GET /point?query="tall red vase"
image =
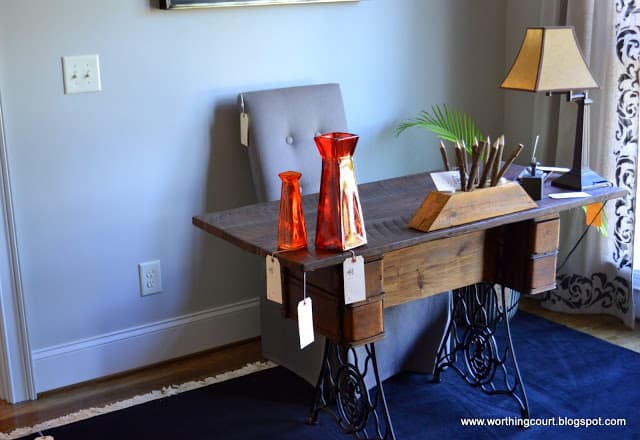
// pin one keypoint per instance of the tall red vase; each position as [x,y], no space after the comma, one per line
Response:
[292,231]
[339,225]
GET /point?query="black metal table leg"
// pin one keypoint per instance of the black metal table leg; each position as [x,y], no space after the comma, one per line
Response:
[341,392]
[474,353]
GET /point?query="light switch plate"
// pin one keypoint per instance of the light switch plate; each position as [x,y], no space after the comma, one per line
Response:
[81,74]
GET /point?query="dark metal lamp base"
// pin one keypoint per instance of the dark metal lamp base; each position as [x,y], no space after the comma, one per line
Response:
[581,180]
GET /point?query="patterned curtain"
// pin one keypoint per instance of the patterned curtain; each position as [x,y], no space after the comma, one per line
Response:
[597,278]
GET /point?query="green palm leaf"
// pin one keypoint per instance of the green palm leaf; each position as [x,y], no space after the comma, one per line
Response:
[447,124]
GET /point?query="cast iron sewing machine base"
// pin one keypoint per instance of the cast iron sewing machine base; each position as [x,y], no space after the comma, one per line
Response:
[341,392]
[475,354]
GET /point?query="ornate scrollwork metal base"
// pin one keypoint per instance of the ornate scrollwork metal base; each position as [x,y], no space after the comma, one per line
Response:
[475,355]
[342,392]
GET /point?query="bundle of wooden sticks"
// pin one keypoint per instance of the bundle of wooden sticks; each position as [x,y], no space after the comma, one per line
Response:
[485,156]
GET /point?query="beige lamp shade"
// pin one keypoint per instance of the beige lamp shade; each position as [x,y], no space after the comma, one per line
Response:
[549,61]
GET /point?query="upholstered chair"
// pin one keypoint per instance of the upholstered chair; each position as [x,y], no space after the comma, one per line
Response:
[282,125]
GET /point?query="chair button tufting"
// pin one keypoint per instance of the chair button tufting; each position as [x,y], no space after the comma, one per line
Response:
[289,140]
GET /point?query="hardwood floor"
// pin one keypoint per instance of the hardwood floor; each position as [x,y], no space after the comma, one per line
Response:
[101,392]
[601,326]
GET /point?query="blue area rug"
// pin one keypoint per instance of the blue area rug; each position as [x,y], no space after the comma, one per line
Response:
[568,375]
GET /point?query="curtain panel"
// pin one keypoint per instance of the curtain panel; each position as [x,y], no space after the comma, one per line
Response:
[597,278]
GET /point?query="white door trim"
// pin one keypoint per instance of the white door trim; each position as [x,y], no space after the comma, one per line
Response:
[16,371]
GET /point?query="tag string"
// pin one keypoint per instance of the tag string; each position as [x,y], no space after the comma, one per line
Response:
[304,285]
[274,253]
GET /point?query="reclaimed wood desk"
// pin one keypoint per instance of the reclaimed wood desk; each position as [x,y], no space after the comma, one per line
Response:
[517,250]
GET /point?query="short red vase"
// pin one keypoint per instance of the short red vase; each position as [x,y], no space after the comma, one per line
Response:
[339,225]
[292,231]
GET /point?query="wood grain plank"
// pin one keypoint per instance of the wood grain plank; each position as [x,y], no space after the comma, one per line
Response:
[436,266]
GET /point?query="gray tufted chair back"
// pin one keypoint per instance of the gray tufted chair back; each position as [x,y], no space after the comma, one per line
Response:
[282,125]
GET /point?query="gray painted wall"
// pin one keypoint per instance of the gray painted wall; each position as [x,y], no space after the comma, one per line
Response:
[104,181]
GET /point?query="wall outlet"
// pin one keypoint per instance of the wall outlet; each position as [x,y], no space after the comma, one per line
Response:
[81,74]
[150,277]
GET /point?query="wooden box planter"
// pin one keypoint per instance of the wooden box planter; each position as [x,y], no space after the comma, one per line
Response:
[441,210]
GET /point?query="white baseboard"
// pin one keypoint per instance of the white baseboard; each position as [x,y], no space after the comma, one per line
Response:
[99,356]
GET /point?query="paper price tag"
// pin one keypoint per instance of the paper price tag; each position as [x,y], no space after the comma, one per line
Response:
[244,129]
[305,322]
[448,181]
[354,284]
[274,284]
[569,195]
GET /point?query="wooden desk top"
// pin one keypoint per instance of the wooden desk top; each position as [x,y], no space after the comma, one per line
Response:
[387,206]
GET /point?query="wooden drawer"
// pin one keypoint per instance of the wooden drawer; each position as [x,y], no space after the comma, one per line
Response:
[528,252]
[545,236]
[353,324]
[540,273]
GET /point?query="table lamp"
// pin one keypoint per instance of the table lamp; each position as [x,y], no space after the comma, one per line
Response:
[550,61]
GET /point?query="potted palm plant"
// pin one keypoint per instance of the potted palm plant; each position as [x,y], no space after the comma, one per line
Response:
[447,124]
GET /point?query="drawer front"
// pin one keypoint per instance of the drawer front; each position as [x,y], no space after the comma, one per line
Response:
[545,236]
[541,273]
[363,322]
[528,255]
[352,324]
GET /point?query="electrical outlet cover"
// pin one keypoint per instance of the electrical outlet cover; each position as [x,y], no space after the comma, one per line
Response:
[150,277]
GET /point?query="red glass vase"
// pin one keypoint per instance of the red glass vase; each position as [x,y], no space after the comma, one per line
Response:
[339,225]
[292,231]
